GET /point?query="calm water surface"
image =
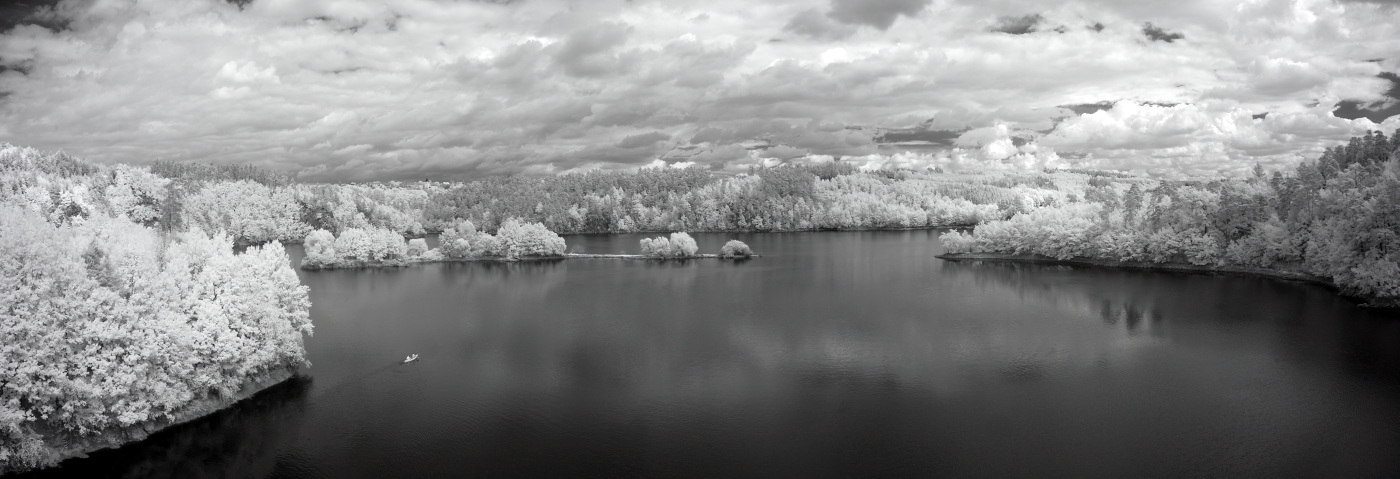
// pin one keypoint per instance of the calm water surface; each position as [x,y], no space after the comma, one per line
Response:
[837,355]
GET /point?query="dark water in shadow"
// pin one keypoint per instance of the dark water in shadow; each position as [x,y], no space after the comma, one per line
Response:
[836,355]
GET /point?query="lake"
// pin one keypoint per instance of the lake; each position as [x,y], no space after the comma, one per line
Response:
[837,354]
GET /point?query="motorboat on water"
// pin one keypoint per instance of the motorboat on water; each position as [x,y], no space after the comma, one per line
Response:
[410,358]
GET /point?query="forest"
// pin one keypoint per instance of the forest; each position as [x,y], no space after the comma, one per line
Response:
[1335,217]
[108,321]
[128,293]
[256,207]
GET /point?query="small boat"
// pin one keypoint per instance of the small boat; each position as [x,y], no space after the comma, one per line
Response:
[410,358]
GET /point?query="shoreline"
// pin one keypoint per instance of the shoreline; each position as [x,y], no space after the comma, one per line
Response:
[662,232]
[63,447]
[353,264]
[642,256]
[1174,267]
[807,230]
[1248,271]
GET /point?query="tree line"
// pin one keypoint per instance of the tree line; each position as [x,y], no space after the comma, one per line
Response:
[1337,217]
[256,208]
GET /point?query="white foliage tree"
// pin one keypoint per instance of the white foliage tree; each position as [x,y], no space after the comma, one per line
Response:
[416,247]
[105,324]
[679,245]
[320,248]
[251,212]
[518,240]
[355,244]
[735,249]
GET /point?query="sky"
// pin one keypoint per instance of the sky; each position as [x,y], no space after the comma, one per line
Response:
[359,90]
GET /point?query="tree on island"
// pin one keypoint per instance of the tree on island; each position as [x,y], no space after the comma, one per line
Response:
[679,245]
[519,240]
[735,249]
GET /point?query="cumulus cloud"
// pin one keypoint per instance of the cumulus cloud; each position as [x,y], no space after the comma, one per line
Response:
[1209,139]
[407,89]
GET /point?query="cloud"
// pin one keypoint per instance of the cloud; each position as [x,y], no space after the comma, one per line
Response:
[1209,139]
[643,140]
[812,23]
[586,52]
[1376,110]
[1086,108]
[400,89]
[13,14]
[1017,25]
[247,73]
[1158,34]
[875,13]
[921,134]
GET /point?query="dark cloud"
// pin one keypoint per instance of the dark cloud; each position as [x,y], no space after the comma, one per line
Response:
[1394,91]
[20,67]
[1158,34]
[623,113]
[1087,108]
[644,139]
[876,13]
[1375,111]
[812,23]
[605,154]
[904,135]
[1017,25]
[29,12]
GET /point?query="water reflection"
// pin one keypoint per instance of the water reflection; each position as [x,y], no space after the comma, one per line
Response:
[248,440]
[1298,321]
[835,355]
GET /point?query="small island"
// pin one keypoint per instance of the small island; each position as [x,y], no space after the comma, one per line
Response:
[462,242]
